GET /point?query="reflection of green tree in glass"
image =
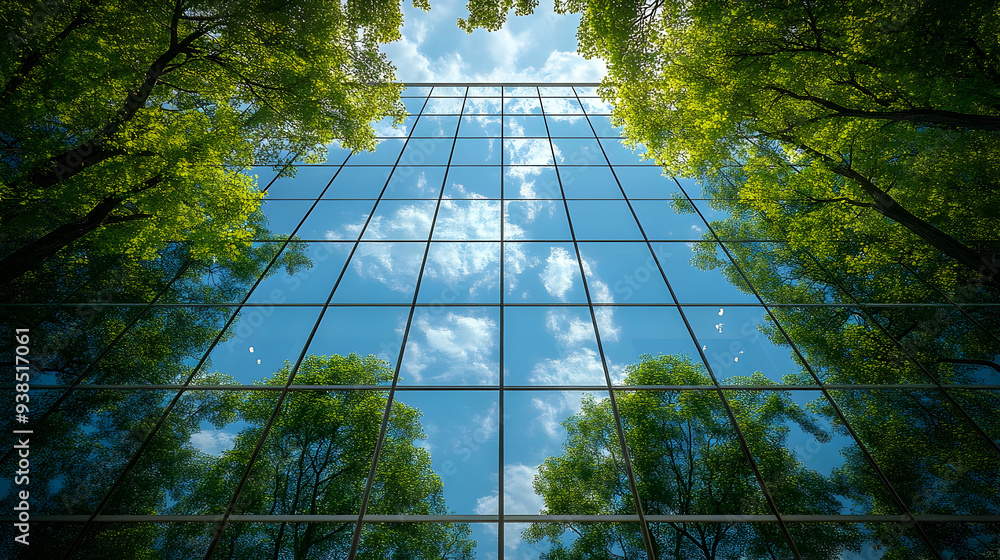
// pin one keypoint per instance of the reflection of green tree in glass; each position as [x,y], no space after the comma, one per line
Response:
[687,460]
[936,461]
[316,460]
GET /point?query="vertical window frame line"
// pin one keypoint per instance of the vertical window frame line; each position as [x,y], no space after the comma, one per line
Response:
[772,505]
[120,478]
[950,301]
[305,347]
[869,457]
[940,386]
[647,536]
[121,334]
[390,397]
[503,312]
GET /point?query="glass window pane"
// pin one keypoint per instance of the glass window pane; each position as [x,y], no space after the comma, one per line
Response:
[531,182]
[426,151]
[575,125]
[461,273]
[476,151]
[399,219]
[479,127]
[520,125]
[473,182]
[358,182]
[458,455]
[381,273]
[561,106]
[260,341]
[364,331]
[527,151]
[589,182]
[415,182]
[311,284]
[629,333]
[386,153]
[444,105]
[535,219]
[578,151]
[542,272]
[551,346]
[623,273]
[453,346]
[603,219]
[429,125]
[468,219]
[336,219]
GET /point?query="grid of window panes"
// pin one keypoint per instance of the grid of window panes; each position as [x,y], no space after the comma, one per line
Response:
[543,327]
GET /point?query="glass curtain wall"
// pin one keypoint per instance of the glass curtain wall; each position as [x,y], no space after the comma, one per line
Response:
[503,334]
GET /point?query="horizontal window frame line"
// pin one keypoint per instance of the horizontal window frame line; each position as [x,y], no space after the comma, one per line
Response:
[516,518]
[496,84]
[128,304]
[410,388]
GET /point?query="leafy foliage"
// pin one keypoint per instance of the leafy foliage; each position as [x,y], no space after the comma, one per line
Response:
[687,460]
[169,102]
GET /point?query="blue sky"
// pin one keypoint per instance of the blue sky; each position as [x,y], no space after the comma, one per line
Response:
[536,48]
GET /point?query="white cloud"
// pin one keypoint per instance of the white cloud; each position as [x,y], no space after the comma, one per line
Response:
[580,367]
[559,273]
[452,347]
[393,264]
[519,497]
[468,219]
[528,151]
[486,424]
[464,266]
[213,442]
[410,221]
[568,328]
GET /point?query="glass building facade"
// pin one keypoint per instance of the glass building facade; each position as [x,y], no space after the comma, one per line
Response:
[504,334]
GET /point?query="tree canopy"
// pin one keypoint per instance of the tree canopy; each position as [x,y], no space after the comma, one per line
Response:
[885,110]
[687,460]
[315,460]
[168,103]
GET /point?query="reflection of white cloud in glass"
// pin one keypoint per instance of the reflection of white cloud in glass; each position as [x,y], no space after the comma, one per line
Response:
[476,105]
[529,151]
[409,222]
[559,105]
[393,264]
[526,212]
[485,424]
[527,187]
[347,231]
[595,105]
[452,347]
[569,329]
[557,277]
[385,127]
[601,292]
[519,497]
[475,219]
[582,367]
[521,105]
[463,265]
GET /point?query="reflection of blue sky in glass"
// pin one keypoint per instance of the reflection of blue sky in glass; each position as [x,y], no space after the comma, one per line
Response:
[494,228]
[453,346]
[542,272]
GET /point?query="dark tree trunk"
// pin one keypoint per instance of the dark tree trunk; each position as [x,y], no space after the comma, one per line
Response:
[33,255]
[62,166]
[987,267]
